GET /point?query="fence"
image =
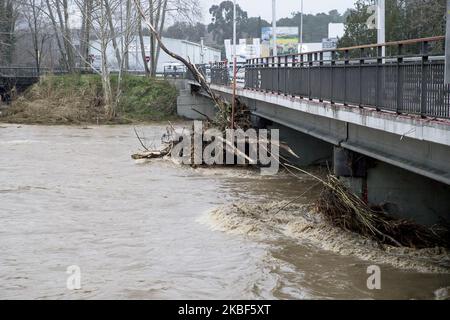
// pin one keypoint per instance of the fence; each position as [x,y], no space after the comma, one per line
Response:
[402,81]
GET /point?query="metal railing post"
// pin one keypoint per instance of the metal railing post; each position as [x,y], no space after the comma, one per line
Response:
[310,65]
[286,67]
[293,78]
[399,79]
[333,64]
[378,84]
[346,63]
[320,76]
[361,63]
[302,63]
[423,103]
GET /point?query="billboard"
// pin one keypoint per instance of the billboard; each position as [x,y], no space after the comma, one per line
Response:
[287,40]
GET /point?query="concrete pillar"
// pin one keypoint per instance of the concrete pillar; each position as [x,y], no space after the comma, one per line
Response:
[351,168]
[408,195]
[400,193]
[187,101]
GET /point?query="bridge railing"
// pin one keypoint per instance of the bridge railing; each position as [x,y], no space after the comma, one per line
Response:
[408,79]
[18,72]
[220,73]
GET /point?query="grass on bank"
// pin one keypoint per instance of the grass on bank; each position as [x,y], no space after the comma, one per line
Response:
[78,99]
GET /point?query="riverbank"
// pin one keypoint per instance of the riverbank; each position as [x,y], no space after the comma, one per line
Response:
[77,100]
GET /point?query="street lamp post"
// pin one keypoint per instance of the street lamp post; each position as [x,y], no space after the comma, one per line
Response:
[381,33]
[301,26]
[447,46]
[233,103]
[274,27]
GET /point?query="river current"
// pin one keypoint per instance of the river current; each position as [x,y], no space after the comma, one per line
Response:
[72,196]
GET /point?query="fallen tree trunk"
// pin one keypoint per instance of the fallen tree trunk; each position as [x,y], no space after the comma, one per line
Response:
[223,119]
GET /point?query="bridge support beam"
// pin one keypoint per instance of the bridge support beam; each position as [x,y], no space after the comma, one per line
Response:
[351,168]
[188,101]
[400,192]
[311,151]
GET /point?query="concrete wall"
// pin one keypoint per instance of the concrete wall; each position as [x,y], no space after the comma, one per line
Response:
[408,195]
[188,100]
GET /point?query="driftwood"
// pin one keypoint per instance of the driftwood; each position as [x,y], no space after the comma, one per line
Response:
[344,209]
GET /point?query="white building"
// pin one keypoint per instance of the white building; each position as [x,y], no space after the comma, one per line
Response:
[194,52]
[244,50]
[336,30]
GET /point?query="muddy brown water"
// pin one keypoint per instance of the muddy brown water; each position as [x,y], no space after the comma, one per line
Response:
[72,196]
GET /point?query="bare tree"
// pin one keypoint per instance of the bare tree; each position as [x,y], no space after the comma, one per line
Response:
[86,17]
[8,16]
[157,11]
[32,13]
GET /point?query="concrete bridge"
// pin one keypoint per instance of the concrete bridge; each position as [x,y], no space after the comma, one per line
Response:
[382,121]
[16,78]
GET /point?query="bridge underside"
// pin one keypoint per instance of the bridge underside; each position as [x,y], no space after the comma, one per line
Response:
[407,157]
[414,144]
[20,84]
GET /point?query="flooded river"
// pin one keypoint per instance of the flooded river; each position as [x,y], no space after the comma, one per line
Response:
[73,197]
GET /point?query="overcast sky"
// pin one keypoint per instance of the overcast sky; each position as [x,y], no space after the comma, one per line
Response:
[263,8]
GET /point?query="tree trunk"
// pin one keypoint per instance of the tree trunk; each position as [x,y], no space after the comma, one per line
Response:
[141,40]
[113,33]
[62,52]
[126,55]
[106,80]
[152,39]
[161,27]
[86,31]
[68,36]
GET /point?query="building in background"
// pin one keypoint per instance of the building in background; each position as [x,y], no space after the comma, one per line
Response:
[244,50]
[287,40]
[193,52]
[335,32]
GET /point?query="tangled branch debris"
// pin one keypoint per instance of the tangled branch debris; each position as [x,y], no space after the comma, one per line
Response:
[338,204]
[344,209]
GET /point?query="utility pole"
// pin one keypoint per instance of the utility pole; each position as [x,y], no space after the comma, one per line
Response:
[202,50]
[381,27]
[233,104]
[274,27]
[447,46]
[301,27]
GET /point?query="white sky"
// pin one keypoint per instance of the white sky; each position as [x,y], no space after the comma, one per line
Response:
[263,8]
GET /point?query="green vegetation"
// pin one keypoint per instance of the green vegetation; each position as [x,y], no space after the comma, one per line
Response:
[405,19]
[145,99]
[8,16]
[77,99]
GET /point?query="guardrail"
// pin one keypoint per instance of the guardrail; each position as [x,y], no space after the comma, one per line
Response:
[205,70]
[401,81]
[220,73]
[18,72]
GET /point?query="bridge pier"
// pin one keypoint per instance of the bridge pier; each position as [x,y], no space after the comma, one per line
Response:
[188,100]
[401,193]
